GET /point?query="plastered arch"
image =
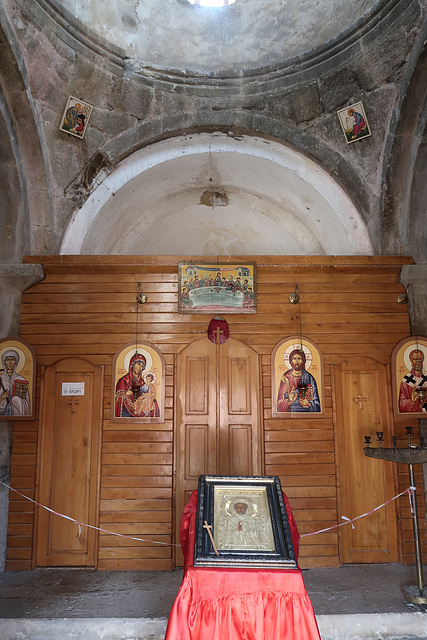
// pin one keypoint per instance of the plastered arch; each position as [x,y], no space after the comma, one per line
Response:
[209,194]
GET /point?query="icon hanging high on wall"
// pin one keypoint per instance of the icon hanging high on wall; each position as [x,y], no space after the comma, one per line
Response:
[75,118]
[216,287]
[354,122]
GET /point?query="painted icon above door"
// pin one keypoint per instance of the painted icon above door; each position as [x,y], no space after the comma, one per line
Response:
[204,288]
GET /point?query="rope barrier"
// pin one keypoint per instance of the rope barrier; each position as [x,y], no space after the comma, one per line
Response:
[410,490]
[83,524]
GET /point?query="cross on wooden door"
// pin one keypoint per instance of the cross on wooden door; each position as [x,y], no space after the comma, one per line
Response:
[73,401]
[360,399]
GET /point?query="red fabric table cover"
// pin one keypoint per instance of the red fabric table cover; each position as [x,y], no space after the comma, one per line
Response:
[239,604]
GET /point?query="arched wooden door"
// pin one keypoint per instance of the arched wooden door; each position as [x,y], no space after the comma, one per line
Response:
[363,408]
[67,475]
[218,425]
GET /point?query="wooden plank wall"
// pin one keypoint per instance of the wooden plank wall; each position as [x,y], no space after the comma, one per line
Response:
[86,307]
[21,511]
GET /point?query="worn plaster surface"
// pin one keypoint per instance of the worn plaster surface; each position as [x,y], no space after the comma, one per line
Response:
[275,201]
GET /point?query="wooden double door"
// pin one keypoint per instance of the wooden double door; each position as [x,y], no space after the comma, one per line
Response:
[218,423]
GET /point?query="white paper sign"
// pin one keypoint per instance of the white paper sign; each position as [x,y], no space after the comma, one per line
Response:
[73,388]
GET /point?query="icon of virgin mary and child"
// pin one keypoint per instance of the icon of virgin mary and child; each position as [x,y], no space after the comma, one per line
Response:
[136,393]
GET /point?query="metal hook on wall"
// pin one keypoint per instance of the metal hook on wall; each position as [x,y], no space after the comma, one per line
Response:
[141,298]
[404,298]
[294,298]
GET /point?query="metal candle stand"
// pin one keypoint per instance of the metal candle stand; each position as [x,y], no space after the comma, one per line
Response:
[410,455]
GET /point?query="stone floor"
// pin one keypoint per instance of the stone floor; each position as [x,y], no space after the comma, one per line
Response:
[357,601]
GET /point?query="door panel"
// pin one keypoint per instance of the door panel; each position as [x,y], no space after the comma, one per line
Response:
[238,410]
[196,450]
[239,385]
[240,447]
[217,415]
[68,465]
[197,395]
[362,408]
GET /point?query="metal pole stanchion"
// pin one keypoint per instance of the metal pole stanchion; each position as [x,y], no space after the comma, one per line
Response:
[414,593]
[411,454]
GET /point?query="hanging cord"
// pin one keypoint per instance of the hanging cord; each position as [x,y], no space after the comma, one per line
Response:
[410,292]
[138,293]
[299,313]
[141,298]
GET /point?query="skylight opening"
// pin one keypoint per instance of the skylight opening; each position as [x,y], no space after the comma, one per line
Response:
[212,3]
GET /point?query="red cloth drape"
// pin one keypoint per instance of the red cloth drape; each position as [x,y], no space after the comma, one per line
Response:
[239,604]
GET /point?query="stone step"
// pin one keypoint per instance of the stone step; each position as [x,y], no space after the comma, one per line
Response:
[384,626]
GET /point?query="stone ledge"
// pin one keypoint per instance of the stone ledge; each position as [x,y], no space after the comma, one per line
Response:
[378,626]
[83,628]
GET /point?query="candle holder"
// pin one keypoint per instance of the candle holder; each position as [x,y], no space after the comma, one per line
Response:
[410,455]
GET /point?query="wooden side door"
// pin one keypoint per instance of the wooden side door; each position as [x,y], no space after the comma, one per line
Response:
[217,416]
[362,408]
[68,464]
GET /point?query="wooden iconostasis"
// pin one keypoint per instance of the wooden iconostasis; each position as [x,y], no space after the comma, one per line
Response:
[134,478]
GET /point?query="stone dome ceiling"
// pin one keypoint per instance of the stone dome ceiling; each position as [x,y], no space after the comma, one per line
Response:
[248,34]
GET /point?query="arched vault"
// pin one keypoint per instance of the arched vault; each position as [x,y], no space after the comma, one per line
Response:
[215,194]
